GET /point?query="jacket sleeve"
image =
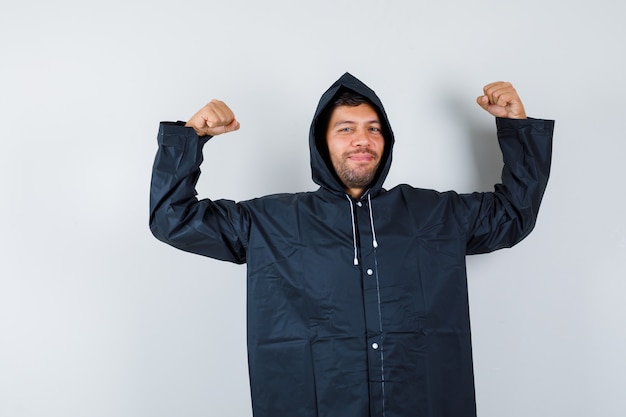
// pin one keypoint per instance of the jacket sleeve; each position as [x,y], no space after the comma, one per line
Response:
[217,229]
[502,218]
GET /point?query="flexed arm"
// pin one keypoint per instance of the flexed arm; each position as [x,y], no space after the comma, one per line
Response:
[508,214]
[218,228]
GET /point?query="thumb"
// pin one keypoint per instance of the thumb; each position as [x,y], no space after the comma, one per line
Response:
[483,101]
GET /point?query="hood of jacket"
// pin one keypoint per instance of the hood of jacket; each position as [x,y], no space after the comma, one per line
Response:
[322,169]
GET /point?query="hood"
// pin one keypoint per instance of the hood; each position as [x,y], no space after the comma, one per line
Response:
[322,170]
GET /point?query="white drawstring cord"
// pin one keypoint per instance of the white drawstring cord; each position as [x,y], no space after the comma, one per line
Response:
[369,203]
[356,256]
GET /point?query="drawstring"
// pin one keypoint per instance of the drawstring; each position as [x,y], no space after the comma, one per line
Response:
[356,257]
[369,203]
[374,241]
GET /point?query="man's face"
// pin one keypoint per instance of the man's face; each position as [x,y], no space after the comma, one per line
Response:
[355,144]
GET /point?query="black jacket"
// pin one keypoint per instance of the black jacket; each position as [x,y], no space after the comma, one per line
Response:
[385,334]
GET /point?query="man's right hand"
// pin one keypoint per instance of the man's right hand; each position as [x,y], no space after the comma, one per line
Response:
[213,119]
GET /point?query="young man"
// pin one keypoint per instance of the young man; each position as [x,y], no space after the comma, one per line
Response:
[357,295]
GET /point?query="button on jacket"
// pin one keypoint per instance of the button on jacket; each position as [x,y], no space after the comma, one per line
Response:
[355,307]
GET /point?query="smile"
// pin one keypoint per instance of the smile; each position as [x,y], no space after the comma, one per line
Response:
[361,157]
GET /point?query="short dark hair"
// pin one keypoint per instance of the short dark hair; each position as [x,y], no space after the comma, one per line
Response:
[348,98]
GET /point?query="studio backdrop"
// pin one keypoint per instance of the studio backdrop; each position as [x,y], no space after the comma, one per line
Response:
[99,319]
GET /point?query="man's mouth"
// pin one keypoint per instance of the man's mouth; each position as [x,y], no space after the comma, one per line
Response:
[361,156]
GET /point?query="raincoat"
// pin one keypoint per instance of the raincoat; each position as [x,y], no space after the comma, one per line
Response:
[354,307]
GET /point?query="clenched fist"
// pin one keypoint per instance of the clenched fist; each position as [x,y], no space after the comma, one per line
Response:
[213,119]
[501,100]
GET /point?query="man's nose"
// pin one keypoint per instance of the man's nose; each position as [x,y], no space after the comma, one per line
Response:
[360,137]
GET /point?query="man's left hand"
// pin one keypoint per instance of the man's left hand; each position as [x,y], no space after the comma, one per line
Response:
[501,100]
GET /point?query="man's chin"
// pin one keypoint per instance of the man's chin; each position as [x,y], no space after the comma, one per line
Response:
[358,181]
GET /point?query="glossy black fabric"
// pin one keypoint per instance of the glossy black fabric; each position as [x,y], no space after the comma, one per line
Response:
[387,337]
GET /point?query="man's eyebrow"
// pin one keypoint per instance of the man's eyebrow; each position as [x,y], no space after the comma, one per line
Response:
[345,122]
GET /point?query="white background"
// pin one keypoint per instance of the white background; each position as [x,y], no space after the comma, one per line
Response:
[98,318]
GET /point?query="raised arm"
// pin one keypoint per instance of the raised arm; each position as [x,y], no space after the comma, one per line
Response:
[217,229]
[508,214]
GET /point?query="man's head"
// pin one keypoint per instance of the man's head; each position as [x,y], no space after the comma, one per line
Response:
[355,141]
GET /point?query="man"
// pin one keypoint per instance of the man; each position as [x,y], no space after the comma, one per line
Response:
[357,295]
